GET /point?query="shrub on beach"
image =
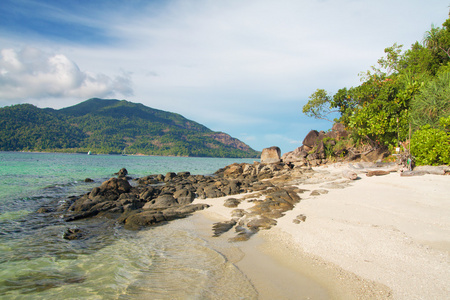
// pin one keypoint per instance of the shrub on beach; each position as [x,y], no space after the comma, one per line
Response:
[431,146]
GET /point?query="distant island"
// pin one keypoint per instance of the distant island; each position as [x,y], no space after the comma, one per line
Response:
[110,126]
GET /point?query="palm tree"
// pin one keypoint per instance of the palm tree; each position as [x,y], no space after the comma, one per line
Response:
[433,39]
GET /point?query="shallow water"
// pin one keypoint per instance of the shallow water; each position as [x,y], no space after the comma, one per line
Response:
[163,262]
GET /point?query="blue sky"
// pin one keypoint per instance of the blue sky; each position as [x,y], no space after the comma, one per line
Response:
[244,67]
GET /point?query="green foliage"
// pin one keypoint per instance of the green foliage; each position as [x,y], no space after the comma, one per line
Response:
[432,102]
[328,147]
[413,86]
[431,146]
[26,127]
[319,105]
[445,123]
[381,114]
[111,127]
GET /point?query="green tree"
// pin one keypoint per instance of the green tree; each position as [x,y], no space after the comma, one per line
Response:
[432,102]
[319,105]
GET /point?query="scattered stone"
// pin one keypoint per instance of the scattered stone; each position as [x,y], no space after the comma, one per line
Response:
[231,202]
[377,173]
[349,175]
[88,180]
[221,227]
[413,173]
[335,185]
[319,192]
[243,234]
[238,213]
[299,219]
[73,234]
[44,210]
[435,170]
[261,223]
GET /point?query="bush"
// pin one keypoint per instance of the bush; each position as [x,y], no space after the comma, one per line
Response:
[432,102]
[431,146]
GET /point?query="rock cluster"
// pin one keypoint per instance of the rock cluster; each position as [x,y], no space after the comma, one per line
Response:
[272,195]
[271,155]
[160,198]
[317,147]
[314,146]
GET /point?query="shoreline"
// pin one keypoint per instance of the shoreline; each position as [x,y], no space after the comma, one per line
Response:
[383,237]
[120,154]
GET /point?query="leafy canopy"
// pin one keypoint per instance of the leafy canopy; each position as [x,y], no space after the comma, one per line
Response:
[404,87]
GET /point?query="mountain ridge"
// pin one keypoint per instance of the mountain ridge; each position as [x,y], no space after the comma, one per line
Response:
[111,126]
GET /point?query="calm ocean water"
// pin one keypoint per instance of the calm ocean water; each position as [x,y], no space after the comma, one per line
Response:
[165,262]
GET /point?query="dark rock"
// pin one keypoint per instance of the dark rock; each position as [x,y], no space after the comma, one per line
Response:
[73,234]
[152,217]
[148,194]
[122,173]
[233,187]
[183,174]
[211,191]
[162,201]
[311,138]
[184,196]
[221,227]
[233,170]
[116,185]
[169,176]
[44,210]
[88,180]
[231,202]
[261,223]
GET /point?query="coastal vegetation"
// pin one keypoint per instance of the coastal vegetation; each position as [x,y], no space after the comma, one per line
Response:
[403,99]
[112,127]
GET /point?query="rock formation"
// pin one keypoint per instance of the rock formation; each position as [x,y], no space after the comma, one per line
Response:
[271,155]
[318,147]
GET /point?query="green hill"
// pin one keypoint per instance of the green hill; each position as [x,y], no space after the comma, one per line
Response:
[112,126]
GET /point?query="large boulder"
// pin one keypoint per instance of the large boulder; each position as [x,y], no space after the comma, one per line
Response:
[162,201]
[311,138]
[271,155]
[298,155]
[337,131]
[184,196]
[143,218]
[115,185]
[122,173]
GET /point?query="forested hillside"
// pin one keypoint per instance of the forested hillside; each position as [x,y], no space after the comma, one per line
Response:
[406,93]
[115,127]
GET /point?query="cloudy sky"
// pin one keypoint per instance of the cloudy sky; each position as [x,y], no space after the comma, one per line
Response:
[244,67]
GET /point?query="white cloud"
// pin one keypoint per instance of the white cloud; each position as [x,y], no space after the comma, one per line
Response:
[235,66]
[32,73]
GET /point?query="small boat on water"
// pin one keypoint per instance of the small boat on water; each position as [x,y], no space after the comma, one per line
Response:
[89,153]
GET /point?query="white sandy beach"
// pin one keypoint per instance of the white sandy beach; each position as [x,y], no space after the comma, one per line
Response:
[381,237]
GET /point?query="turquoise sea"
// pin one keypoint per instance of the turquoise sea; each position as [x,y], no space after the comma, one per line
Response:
[164,262]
